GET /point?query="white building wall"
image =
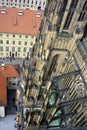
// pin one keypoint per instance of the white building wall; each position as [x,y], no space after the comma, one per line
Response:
[23,4]
[13,83]
[2,111]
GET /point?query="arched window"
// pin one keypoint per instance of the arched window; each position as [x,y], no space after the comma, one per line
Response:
[32,2]
[52,98]
[40,3]
[36,3]
[43,3]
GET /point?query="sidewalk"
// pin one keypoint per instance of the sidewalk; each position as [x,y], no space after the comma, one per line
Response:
[8,123]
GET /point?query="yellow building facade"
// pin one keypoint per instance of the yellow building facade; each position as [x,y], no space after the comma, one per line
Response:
[16,45]
[18,33]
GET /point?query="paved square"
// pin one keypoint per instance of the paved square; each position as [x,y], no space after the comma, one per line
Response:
[8,123]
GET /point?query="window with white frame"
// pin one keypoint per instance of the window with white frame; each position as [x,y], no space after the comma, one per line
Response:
[19,43]
[13,42]
[25,43]
[7,48]
[25,49]
[7,41]
[1,48]
[1,41]
[19,49]
[1,35]
[13,48]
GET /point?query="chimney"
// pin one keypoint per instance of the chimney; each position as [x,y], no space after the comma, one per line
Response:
[2,65]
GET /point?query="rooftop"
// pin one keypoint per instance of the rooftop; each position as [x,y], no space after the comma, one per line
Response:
[16,21]
[5,71]
[3,100]
[8,71]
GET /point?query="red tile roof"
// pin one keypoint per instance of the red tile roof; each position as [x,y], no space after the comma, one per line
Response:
[28,23]
[9,71]
[3,92]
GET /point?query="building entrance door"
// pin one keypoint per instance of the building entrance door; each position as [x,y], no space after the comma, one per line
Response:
[12,55]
